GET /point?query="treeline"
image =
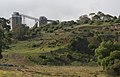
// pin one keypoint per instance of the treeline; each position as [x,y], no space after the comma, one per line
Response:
[98,19]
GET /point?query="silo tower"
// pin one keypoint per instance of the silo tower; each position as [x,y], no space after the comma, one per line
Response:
[15,20]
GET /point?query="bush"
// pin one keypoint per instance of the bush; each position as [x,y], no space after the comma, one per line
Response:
[81,45]
[114,70]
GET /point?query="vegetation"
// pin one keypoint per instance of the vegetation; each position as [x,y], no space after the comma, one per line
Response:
[91,41]
[108,56]
[4,35]
[20,31]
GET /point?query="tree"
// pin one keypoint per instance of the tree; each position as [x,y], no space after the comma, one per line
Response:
[84,19]
[103,50]
[117,20]
[100,14]
[107,53]
[2,42]
[4,29]
[80,44]
[92,14]
[4,24]
[108,18]
[96,18]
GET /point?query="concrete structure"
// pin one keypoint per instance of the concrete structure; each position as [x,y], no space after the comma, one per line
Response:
[18,19]
[15,20]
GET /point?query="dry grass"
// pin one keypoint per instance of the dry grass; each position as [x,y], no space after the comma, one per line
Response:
[52,71]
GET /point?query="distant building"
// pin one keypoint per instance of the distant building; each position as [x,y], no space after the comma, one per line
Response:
[15,20]
[42,20]
[18,19]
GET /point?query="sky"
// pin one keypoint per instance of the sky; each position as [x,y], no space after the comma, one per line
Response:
[58,9]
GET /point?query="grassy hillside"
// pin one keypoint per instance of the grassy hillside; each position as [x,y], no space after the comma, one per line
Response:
[87,47]
[56,44]
[65,52]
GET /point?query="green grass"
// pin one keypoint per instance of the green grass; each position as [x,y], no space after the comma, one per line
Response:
[19,52]
[24,47]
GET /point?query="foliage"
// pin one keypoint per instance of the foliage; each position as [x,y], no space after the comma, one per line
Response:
[20,31]
[4,32]
[61,57]
[2,40]
[4,24]
[81,45]
[98,18]
[107,53]
[114,70]
[117,20]
[84,19]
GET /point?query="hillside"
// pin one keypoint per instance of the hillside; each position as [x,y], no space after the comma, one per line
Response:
[50,49]
[83,48]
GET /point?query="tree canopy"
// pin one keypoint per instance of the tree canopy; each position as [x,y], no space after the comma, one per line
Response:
[4,29]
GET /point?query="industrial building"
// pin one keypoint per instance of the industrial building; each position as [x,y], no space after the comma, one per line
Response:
[18,19]
[15,20]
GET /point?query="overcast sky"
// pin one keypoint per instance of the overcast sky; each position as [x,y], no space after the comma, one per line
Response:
[58,9]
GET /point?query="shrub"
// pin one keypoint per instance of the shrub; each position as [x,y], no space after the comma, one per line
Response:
[81,45]
[114,70]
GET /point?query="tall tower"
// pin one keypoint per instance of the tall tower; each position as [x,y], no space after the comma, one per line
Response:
[15,20]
